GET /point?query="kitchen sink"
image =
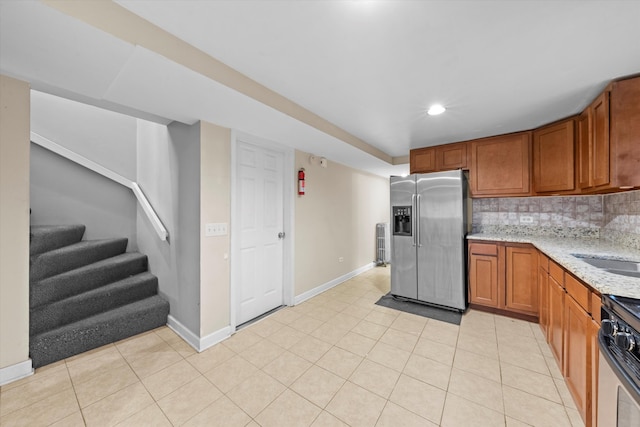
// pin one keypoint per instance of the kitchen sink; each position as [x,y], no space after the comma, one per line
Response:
[615,266]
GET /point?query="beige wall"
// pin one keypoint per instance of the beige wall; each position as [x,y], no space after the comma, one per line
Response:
[14,221]
[336,218]
[215,202]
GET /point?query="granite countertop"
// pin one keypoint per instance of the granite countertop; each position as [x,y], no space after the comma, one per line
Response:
[560,249]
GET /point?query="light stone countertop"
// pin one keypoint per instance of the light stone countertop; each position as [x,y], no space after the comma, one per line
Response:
[560,250]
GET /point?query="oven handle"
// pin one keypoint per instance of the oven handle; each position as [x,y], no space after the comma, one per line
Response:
[617,368]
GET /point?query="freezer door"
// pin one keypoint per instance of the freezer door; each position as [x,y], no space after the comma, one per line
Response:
[441,268]
[403,247]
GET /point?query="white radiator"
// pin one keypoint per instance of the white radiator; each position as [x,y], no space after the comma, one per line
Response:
[383,244]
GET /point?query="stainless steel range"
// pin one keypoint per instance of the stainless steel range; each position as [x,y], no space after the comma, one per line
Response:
[619,365]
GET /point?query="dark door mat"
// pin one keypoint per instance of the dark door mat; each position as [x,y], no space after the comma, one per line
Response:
[423,310]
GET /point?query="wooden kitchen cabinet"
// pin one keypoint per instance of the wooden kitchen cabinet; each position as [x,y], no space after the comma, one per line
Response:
[422,160]
[624,136]
[553,158]
[577,325]
[451,156]
[438,158]
[593,143]
[608,138]
[501,165]
[573,325]
[543,292]
[584,151]
[594,355]
[599,111]
[556,318]
[521,292]
[483,274]
[503,278]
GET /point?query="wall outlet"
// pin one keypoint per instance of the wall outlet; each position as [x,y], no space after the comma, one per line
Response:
[215,229]
[341,259]
[526,220]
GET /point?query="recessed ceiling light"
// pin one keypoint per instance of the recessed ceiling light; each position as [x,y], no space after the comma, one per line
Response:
[436,109]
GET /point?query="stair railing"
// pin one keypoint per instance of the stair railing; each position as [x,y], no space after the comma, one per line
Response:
[162,232]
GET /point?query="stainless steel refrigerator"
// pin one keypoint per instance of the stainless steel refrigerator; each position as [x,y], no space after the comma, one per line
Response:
[428,214]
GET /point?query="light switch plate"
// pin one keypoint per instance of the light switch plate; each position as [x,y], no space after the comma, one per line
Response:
[215,229]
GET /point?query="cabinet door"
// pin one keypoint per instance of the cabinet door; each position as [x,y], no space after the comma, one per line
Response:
[583,151]
[594,351]
[624,136]
[521,293]
[553,161]
[599,111]
[577,324]
[556,308]
[543,300]
[483,280]
[501,165]
[422,160]
[451,156]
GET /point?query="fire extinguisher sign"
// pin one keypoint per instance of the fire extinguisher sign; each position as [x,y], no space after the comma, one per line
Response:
[301,182]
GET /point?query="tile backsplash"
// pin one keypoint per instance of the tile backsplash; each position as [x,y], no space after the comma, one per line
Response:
[622,218]
[613,217]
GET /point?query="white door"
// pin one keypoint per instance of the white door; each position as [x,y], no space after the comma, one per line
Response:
[260,209]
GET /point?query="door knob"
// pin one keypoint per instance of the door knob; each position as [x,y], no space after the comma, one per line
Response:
[281,235]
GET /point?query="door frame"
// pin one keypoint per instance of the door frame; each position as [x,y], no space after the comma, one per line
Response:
[238,137]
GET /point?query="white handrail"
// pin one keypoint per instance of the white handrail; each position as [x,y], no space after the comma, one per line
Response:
[162,232]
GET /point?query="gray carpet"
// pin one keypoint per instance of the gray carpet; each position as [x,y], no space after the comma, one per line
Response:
[419,309]
[86,293]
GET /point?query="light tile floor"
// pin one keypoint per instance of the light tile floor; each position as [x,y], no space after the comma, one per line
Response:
[335,360]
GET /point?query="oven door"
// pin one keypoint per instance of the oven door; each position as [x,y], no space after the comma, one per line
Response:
[618,397]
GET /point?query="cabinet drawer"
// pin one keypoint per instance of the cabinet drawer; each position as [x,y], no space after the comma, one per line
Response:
[578,291]
[556,272]
[483,249]
[543,261]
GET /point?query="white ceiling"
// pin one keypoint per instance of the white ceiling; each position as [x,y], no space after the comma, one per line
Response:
[369,67]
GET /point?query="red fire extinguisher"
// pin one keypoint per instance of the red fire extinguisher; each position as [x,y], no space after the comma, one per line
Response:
[301,182]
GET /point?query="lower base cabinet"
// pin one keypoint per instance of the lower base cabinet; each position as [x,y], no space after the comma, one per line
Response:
[555,336]
[577,324]
[503,278]
[572,324]
[594,355]
[517,280]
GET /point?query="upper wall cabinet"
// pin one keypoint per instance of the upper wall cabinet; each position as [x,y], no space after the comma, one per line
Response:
[501,165]
[608,138]
[451,156]
[593,144]
[584,151]
[440,158]
[553,161]
[422,160]
[624,104]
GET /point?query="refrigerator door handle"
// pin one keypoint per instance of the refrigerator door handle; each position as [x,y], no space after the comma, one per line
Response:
[418,237]
[413,219]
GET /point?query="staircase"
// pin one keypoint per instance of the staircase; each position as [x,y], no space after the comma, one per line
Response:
[85,294]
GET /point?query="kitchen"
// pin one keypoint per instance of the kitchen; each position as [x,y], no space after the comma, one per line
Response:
[499,210]
[553,260]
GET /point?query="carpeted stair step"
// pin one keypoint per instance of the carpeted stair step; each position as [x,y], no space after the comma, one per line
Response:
[73,256]
[86,278]
[96,331]
[45,238]
[96,301]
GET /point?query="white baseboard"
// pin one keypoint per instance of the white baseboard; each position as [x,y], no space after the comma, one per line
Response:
[200,344]
[330,284]
[16,372]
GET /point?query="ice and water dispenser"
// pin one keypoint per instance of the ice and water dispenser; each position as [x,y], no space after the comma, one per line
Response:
[402,220]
